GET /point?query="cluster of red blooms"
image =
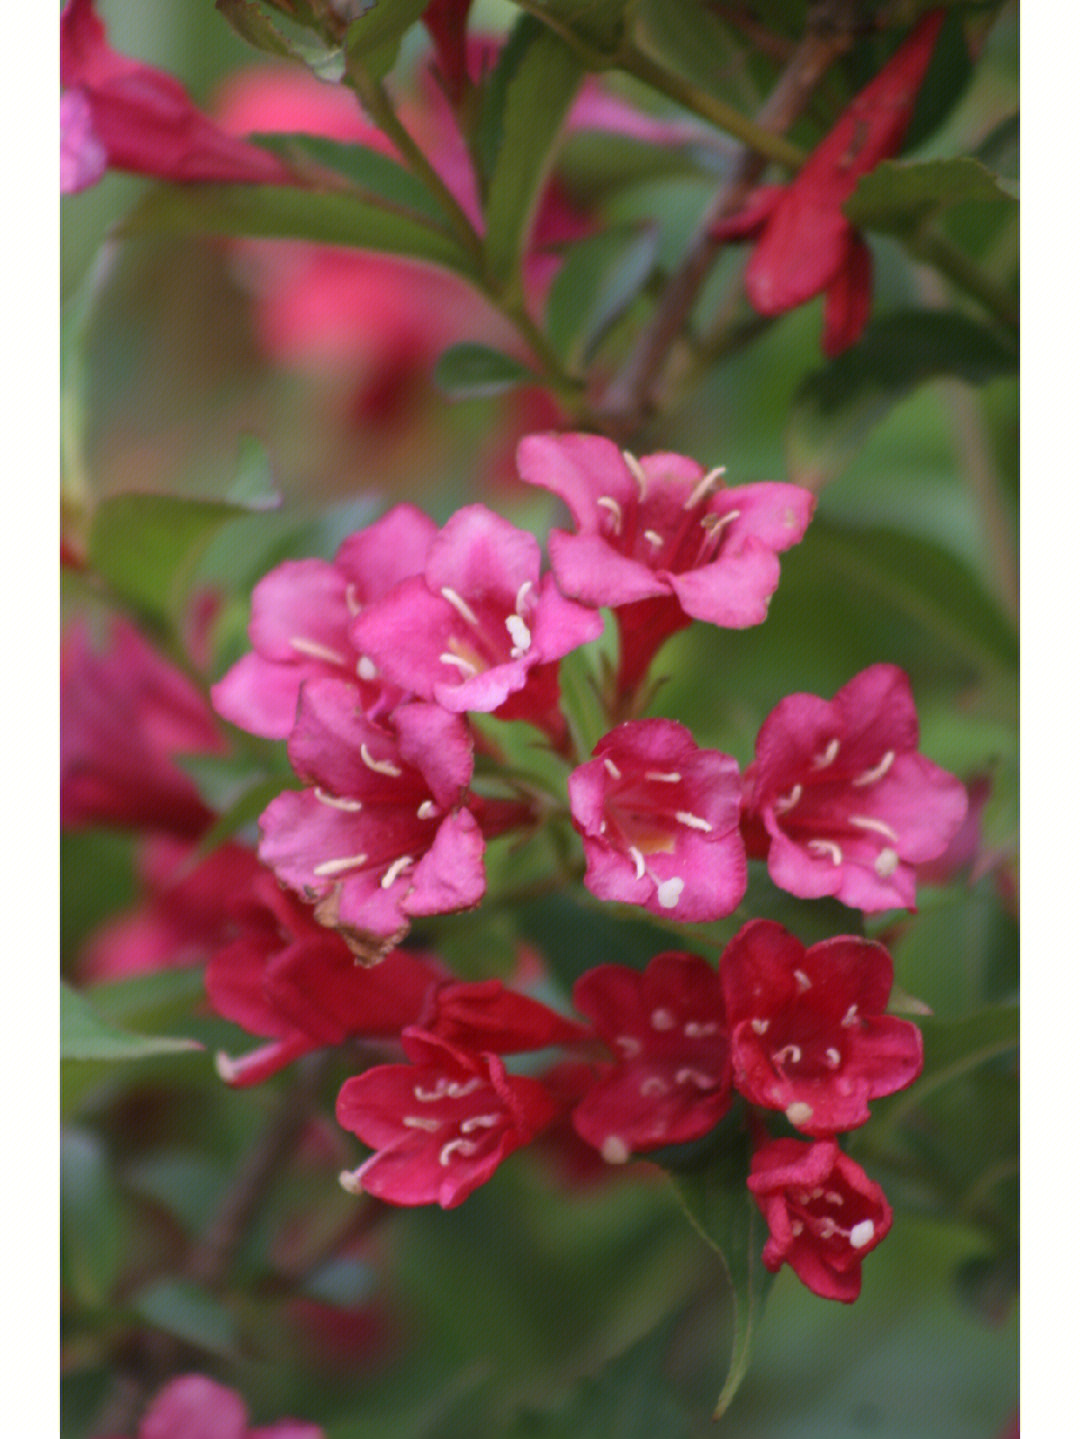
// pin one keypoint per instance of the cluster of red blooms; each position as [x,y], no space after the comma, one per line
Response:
[369,665]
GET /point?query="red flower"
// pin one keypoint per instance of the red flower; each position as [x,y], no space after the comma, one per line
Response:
[440,1126]
[485,1016]
[808,1030]
[672,1080]
[807,245]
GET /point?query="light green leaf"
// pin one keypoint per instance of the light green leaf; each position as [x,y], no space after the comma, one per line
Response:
[836,407]
[189,1313]
[469,371]
[598,282]
[89,1202]
[899,196]
[381,179]
[85,1035]
[375,36]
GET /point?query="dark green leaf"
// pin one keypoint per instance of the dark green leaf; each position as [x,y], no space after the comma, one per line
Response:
[148,1001]
[597,283]
[253,24]
[471,371]
[188,1313]
[90,1219]
[381,179]
[382,23]
[574,936]
[84,1035]
[687,37]
[899,196]
[835,409]
[597,24]
[537,98]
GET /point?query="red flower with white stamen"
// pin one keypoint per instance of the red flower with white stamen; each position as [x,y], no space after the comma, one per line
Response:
[809,1034]
[382,834]
[824,1213]
[847,806]
[661,540]
[659,819]
[301,613]
[440,1126]
[672,1079]
[468,632]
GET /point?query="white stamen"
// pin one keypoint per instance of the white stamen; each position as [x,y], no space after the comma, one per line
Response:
[614,771]
[414,1121]
[851,1017]
[467,668]
[227,1067]
[826,846]
[366,668]
[519,598]
[662,1019]
[445,1088]
[479,1121]
[871,776]
[351,600]
[696,1078]
[653,538]
[713,522]
[634,465]
[831,750]
[663,776]
[831,1197]
[797,1227]
[832,1058]
[339,866]
[520,635]
[652,1085]
[861,1234]
[668,893]
[459,1088]
[639,861]
[693,821]
[351,806]
[349,1179]
[798,1113]
[790,1054]
[614,1150]
[395,869]
[464,610]
[759,1026]
[316,650]
[876,826]
[704,486]
[886,862]
[456,1146]
[428,810]
[694,1029]
[379,766]
[614,509]
[802,979]
[788,801]
[628,1044]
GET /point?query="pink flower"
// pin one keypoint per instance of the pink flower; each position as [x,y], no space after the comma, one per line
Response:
[848,806]
[672,1079]
[809,1034]
[660,540]
[382,833]
[824,1214]
[301,613]
[469,631]
[440,1126]
[807,245]
[194,1407]
[298,984]
[118,113]
[125,714]
[660,821]
[484,1016]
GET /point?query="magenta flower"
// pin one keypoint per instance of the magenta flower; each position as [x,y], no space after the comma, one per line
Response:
[848,806]
[807,245]
[672,1079]
[194,1407]
[809,1034]
[469,631]
[297,984]
[440,1126]
[824,1213]
[301,613]
[661,541]
[484,1016]
[118,113]
[659,818]
[125,714]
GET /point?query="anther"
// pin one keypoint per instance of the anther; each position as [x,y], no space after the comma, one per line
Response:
[519,598]
[704,486]
[663,776]
[759,1026]
[695,1029]
[379,766]
[614,771]
[832,1058]
[339,866]
[457,1146]
[479,1121]
[669,891]
[464,610]
[657,541]
[414,1121]
[316,650]
[696,1078]
[466,667]
[790,1054]
[614,1150]
[831,750]
[798,1113]
[788,801]
[693,821]
[639,861]
[875,826]
[662,1019]
[886,862]
[351,806]
[653,1085]
[634,465]
[614,509]
[802,979]
[861,1234]
[827,846]
[851,1017]
[628,1044]
[366,668]
[871,776]
[428,810]
[519,635]
[395,870]
[712,522]
[831,1197]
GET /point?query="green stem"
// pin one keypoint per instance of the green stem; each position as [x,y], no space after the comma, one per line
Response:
[963,272]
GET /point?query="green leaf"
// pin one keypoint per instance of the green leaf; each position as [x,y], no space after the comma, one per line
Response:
[91,1233]
[715,1196]
[687,38]
[188,1313]
[245,809]
[598,24]
[381,179]
[290,212]
[85,1035]
[598,282]
[899,196]
[148,1002]
[470,371]
[147,547]
[537,98]
[836,407]
[253,24]
[573,936]
[383,23]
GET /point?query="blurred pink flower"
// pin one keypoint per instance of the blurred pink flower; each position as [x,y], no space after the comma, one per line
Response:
[194,1407]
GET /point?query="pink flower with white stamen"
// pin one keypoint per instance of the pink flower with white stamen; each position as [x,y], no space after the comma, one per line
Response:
[847,804]
[661,540]
[468,632]
[809,1034]
[382,833]
[301,613]
[659,818]
[671,1081]
[824,1214]
[440,1126]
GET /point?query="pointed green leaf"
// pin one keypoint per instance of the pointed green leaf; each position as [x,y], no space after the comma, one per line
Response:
[469,371]
[85,1035]
[189,1313]
[148,1002]
[597,24]
[382,23]
[89,1201]
[598,282]
[898,196]
[253,24]
[836,408]
[381,179]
